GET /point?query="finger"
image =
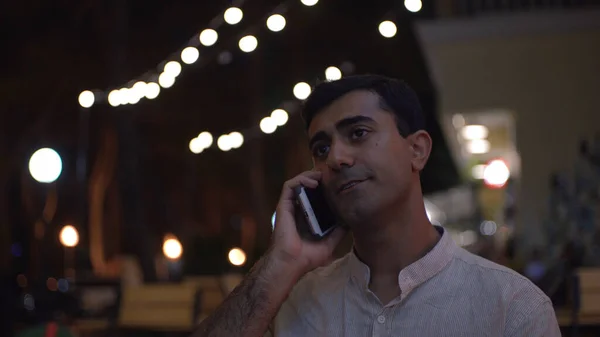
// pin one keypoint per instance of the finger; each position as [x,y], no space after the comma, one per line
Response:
[308,179]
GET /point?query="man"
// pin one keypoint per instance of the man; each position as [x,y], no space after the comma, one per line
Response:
[404,277]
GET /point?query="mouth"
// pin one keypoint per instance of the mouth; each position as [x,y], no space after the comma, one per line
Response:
[349,185]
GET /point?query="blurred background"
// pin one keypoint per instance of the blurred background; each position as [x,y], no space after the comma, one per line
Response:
[144,144]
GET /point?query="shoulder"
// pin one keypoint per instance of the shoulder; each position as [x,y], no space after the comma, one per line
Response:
[517,293]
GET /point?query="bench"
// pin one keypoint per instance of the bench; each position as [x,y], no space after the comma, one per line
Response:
[585,309]
[212,291]
[163,307]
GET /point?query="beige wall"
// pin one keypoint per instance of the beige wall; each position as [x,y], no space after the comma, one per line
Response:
[544,67]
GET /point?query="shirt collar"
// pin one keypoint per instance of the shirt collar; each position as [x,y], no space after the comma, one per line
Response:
[416,273]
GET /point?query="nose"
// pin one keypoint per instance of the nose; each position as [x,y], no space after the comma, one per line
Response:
[339,156]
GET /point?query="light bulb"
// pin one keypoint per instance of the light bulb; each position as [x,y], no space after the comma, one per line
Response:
[388,29]
[86,99]
[276,22]
[309,2]
[279,117]
[233,15]
[208,37]
[333,73]
[189,55]
[302,90]
[248,43]
[173,68]
[268,125]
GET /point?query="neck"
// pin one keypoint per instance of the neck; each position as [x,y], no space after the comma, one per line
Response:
[403,235]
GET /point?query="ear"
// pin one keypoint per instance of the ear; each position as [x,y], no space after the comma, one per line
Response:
[420,142]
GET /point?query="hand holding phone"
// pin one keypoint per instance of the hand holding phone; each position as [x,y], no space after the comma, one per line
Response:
[316,213]
[288,245]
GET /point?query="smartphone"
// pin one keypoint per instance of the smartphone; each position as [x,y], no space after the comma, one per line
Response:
[318,214]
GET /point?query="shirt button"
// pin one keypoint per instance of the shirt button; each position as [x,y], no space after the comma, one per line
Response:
[381,319]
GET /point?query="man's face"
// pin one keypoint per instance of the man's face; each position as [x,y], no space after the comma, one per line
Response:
[366,164]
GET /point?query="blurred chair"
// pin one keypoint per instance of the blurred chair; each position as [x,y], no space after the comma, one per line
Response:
[210,294]
[158,307]
[212,291]
[585,301]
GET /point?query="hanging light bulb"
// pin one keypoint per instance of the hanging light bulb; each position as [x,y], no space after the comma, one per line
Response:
[248,43]
[309,2]
[233,15]
[166,80]
[279,117]
[189,55]
[86,99]
[114,98]
[208,37]
[388,29]
[302,90]
[333,73]
[152,90]
[276,22]
[173,68]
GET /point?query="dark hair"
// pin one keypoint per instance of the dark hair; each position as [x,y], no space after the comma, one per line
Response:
[395,96]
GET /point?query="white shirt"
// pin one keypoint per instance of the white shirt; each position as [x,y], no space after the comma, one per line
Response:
[448,292]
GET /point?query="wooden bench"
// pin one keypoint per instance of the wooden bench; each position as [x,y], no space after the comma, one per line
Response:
[163,307]
[212,291]
[173,307]
[586,300]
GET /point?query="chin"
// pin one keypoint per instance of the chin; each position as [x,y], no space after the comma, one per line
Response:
[356,213]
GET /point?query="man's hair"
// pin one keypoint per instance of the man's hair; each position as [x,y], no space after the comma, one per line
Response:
[395,96]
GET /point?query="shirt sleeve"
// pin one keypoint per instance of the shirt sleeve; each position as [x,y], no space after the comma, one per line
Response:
[539,322]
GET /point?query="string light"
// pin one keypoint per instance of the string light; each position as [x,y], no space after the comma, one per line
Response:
[224,143]
[413,5]
[309,2]
[172,68]
[152,90]
[302,90]
[202,142]
[279,117]
[276,23]
[86,99]
[236,139]
[333,73]
[139,89]
[267,125]
[166,80]
[196,146]
[206,139]
[114,98]
[233,15]
[208,37]
[189,55]
[248,43]
[388,29]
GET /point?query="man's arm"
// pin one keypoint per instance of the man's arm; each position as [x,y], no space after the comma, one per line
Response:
[251,307]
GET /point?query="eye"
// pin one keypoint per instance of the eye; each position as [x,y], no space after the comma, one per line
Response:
[356,134]
[320,150]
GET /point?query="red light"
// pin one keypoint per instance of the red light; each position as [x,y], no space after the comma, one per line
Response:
[496,173]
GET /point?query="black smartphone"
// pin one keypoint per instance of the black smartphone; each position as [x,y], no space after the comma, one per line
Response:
[318,214]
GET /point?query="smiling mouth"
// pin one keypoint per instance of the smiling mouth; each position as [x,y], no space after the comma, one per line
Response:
[349,185]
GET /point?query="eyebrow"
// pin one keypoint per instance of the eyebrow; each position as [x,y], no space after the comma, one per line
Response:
[341,124]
